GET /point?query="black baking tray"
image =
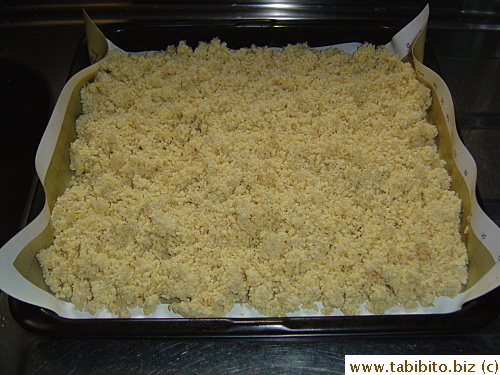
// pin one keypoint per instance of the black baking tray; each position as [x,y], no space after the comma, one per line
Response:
[142,36]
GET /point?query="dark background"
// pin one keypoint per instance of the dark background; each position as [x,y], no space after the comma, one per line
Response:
[38,45]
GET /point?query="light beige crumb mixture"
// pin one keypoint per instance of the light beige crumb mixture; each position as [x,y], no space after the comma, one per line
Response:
[271,178]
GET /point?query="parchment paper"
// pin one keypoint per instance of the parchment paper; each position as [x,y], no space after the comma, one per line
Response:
[20,273]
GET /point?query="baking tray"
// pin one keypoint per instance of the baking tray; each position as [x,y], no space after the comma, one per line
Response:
[137,36]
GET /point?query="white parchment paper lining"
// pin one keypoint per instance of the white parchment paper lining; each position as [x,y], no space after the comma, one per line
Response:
[14,277]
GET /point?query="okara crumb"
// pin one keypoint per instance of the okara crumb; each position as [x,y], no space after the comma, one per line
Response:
[270,178]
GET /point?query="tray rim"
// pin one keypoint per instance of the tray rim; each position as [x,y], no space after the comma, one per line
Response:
[48,323]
